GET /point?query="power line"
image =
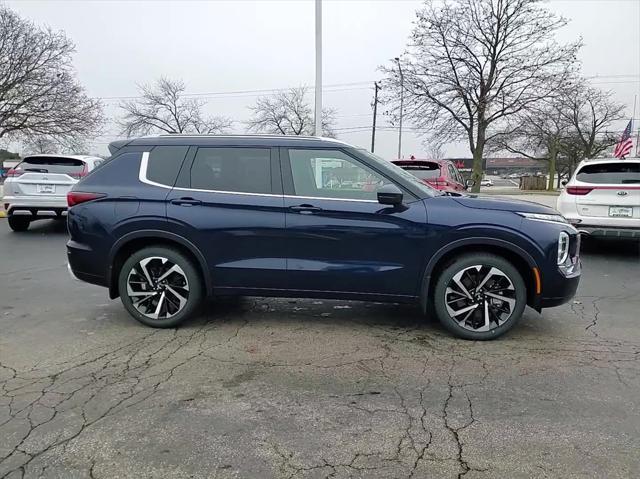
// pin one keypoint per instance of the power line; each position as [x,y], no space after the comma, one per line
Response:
[264,91]
[363,85]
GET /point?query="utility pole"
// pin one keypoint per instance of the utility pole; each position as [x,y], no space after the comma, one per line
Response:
[375,114]
[318,112]
[401,108]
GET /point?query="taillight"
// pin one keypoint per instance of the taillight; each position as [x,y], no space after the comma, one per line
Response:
[77,197]
[13,173]
[80,174]
[579,190]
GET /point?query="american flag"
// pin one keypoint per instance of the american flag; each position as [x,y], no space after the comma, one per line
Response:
[623,148]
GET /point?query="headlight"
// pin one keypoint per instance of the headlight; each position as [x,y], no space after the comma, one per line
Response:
[563,247]
[544,217]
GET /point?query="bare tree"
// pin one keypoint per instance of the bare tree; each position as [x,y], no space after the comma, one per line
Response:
[39,94]
[591,113]
[472,64]
[40,144]
[541,132]
[164,107]
[435,151]
[564,129]
[288,113]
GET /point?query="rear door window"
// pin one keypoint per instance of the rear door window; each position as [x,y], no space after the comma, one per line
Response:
[164,164]
[241,170]
[619,173]
[51,164]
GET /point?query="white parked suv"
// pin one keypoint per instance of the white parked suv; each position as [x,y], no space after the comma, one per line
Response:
[37,187]
[602,198]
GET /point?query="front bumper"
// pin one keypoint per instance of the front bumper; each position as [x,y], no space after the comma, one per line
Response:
[563,292]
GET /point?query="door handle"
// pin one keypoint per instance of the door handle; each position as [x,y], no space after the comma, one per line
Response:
[305,209]
[186,202]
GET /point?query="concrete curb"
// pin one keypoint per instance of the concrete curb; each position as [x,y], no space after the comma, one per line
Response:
[3,214]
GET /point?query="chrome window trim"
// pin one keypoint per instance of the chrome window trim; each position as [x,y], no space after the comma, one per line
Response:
[227,192]
[330,199]
[142,176]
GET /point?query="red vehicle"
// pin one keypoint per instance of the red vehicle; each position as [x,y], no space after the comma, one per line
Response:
[440,174]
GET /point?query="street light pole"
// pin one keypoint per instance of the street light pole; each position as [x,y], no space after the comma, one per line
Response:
[375,114]
[318,112]
[401,107]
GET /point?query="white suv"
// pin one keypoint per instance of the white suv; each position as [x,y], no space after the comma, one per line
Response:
[602,198]
[37,187]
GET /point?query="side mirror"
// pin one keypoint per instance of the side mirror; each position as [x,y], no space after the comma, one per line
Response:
[469,184]
[564,182]
[390,195]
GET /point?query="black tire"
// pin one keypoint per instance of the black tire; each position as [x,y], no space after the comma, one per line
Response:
[188,276]
[19,223]
[496,328]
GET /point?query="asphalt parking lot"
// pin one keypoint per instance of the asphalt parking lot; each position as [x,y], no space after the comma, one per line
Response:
[308,389]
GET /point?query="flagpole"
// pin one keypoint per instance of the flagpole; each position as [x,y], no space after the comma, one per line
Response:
[633,121]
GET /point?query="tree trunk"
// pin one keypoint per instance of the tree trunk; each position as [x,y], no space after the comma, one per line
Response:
[476,174]
[553,155]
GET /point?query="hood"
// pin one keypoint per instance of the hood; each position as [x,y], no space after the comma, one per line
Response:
[502,204]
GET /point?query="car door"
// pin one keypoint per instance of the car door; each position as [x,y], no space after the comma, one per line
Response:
[339,238]
[228,201]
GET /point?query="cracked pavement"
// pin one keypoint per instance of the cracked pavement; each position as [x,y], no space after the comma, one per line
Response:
[311,389]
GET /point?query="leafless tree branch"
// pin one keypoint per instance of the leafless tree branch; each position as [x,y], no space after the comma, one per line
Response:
[39,93]
[163,107]
[288,113]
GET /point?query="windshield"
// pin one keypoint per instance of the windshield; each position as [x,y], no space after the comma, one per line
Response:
[613,173]
[423,172]
[395,169]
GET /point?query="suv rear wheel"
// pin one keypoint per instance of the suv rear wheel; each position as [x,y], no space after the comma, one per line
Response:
[480,296]
[19,223]
[160,287]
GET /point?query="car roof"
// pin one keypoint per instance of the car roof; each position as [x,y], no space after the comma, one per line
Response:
[75,157]
[229,140]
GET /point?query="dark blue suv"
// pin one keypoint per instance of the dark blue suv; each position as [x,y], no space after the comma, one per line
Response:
[168,220]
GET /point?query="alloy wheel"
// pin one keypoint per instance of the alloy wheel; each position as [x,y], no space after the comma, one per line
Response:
[157,287]
[480,298]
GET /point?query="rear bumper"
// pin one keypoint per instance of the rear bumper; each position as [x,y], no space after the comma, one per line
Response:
[81,263]
[609,231]
[35,205]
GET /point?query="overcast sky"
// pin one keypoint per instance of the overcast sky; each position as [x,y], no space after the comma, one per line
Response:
[232,46]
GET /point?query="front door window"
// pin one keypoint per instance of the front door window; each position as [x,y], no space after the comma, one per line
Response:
[332,174]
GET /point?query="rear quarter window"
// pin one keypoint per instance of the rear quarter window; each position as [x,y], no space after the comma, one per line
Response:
[620,173]
[164,164]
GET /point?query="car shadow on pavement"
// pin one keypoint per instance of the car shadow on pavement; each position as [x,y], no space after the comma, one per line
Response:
[53,226]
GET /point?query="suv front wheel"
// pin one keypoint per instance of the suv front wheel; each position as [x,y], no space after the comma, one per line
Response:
[479,296]
[160,287]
